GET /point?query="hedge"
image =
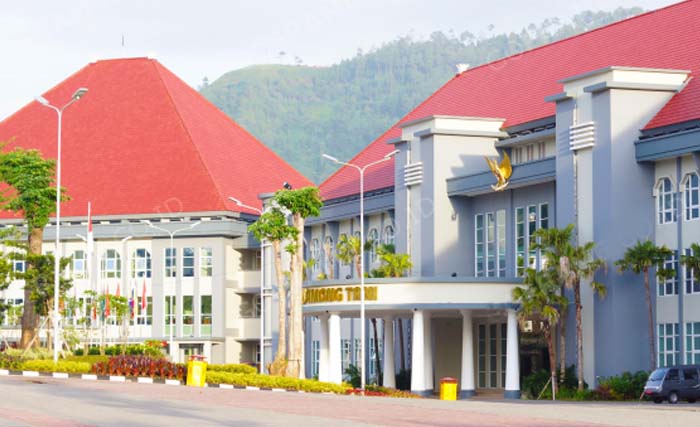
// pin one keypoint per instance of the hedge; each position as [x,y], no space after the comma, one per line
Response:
[233,368]
[269,381]
[60,366]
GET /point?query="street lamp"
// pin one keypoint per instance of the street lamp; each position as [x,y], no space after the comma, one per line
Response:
[262,285]
[361,170]
[57,257]
[172,235]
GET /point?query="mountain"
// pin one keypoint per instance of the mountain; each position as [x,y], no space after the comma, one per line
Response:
[303,111]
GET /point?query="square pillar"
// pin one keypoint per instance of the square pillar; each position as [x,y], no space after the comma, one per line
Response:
[389,364]
[512,390]
[417,359]
[467,388]
[335,365]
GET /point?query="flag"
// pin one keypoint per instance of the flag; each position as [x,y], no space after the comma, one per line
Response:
[90,243]
[118,291]
[143,297]
[107,310]
[132,304]
[94,311]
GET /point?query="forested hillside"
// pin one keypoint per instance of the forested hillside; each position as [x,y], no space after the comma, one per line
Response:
[302,111]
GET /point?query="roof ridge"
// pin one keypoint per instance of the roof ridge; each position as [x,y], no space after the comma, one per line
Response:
[154,64]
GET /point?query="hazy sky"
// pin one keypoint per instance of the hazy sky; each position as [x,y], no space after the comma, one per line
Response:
[45,41]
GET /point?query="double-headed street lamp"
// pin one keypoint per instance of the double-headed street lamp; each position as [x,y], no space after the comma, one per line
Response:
[361,170]
[57,257]
[173,265]
[262,286]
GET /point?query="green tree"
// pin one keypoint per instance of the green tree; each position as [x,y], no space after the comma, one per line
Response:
[639,259]
[393,264]
[348,251]
[272,226]
[540,297]
[301,203]
[31,191]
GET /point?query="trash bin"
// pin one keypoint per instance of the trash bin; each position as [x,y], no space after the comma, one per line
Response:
[448,388]
[196,371]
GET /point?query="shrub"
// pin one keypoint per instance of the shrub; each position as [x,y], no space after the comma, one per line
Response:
[31,354]
[91,359]
[233,368]
[385,391]
[353,373]
[269,381]
[403,379]
[534,383]
[60,366]
[151,348]
[141,366]
[627,386]
[8,361]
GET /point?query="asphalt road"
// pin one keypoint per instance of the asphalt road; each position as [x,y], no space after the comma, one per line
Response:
[71,402]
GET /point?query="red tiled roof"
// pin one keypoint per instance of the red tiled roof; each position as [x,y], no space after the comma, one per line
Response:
[142,141]
[515,87]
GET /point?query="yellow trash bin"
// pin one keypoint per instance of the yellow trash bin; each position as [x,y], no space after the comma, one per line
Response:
[448,389]
[196,371]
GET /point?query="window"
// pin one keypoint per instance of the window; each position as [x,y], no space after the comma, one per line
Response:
[501,231]
[504,352]
[692,284]
[666,202]
[328,255]
[141,263]
[187,315]
[530,149]
[517,154]
[691,203]
[531,228]
[346,354]
[315,254]
[479,243]
[692,342]
[187,262]
[490,244]
[528,219]
[541,150]
[205,315]
[373,358]
[520,241]
[389,237]
[315,357]
[18,266]
[78,265]
[206,261]
[358,353]
[690,374]
[669,344]
[257,306]
[373,238]
[12,315]
[170,310]
[111,264]
[482,356]
[669,286]
[145,316]
[170,262]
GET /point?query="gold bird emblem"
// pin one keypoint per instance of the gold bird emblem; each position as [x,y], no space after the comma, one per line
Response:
[502,172]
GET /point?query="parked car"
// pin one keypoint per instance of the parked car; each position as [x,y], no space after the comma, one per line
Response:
[674,383]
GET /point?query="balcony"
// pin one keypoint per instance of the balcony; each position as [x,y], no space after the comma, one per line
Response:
[524,174]
[248,329]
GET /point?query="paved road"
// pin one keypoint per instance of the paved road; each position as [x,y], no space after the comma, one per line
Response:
[71,402]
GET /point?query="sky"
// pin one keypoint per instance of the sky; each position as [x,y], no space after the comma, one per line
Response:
[45,41]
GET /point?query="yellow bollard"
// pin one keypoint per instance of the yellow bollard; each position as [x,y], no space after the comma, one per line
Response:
[196,371]
[448,389]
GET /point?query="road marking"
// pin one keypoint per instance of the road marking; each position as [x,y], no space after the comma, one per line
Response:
[144,380]
[30,374]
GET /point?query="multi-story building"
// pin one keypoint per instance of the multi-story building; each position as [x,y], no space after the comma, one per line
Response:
[602,130]
[155,160]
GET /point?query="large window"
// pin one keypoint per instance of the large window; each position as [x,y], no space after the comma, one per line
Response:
[490,244]
[141,263]
[170,262]
[328,255]
[373,358]
[315,254]
[373,238]
[692,281]
[528,219]
[111,264]
[669,286]
[170,310]
[691,203]
[692,343]
[187,315]
[206,262]
[187,262]
[389,237]
[205,316]
[145,315]
[346,354]
[315,357]
[666,202]
[669,344]
[79,265]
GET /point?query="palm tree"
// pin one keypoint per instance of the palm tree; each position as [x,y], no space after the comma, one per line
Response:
[639,259]
[348,251]
[692,260]
[541,297]
[554,244]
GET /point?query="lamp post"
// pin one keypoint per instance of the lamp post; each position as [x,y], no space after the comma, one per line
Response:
[361,170]
[57,257]
[172,265]
[261,368]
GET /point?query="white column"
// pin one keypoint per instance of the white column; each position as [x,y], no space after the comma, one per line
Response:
[389,368]
[467,381]
[428,352]
[512,358]
[417,360]
[335,365]
[323,350]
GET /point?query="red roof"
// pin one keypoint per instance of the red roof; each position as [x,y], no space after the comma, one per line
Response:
[142,141]
[515,87]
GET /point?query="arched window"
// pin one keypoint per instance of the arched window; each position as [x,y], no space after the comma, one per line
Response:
[328,254]
[373,238]
[79,265]
[342,237]
[691,203]
[389,235]
[111,264]
[315,254]
[141,263]
[666,201]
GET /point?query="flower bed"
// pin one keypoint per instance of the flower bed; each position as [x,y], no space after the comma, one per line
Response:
[60,366]
[141,366]
[372,390]
[269,381]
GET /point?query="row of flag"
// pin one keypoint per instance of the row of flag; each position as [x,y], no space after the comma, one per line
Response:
[134,303]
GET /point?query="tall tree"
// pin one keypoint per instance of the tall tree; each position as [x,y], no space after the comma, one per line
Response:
[301,203]
[540,297]
[273,227]
[555,243]
[31,191]
[639,259]
[578,264]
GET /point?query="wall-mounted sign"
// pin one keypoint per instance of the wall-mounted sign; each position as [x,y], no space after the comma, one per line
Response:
[340,294]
